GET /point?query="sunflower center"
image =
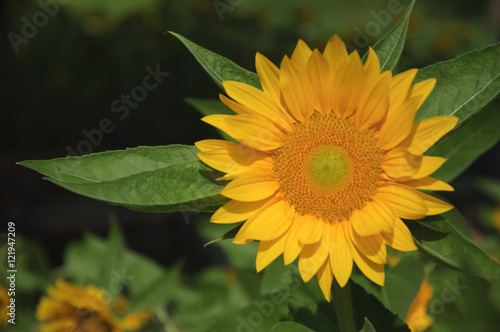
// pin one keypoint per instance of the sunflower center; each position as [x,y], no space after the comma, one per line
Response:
[328,166]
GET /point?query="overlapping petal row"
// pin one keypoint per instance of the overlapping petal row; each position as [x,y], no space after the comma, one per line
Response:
[71,308]
[338,85]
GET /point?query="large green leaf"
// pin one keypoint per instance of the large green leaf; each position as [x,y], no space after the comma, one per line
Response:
[148,179]
[402,283]
[476,136]
[462,303]
[366,306]
[390,47]
[218,67]
[438,237]
[464,85]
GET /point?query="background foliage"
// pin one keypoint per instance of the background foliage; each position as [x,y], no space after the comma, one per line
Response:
[66,79]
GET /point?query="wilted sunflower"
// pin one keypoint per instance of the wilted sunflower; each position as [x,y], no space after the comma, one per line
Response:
[4,302]
[71,308]
[330,160]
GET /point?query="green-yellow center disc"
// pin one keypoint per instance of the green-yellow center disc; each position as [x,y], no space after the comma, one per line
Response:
[328,167]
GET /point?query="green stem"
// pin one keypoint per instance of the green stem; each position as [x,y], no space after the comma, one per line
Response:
[343,305]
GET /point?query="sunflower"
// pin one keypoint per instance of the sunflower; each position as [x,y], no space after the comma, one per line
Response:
[71,308]
[330,160]
[4,302]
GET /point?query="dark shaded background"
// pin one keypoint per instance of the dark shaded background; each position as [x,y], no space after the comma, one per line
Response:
[64,80]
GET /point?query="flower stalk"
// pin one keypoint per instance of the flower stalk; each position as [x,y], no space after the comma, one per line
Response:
[343,305]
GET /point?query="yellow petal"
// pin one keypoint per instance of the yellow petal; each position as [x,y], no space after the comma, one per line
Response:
[311,230]
[251,187]
[429,165]
[400,88]
[236,211]
[301,54]
[347,85]
[258,102]
[399,163]
[340,254]
[325,279]
[296,90]
[212,144]
[423,89]
[372,66]
[269,251]
[47,308]
[372,246]
[366,221]
[135,320]
[271,221]
[335,53]
[374,101]
[236,163]
[434,205]
[252,130]
[386,214]
[219,121]
[269,76]
[241,237]
[236,159]
[61,324]
[319,75]
[293,247]
[398,124]
[427,132]
[374,272]
[236,107]
[401,239]
[314,255]
[428,183]
[255,131]
[405,202]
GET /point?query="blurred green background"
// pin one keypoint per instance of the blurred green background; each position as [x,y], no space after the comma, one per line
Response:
[62,75]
